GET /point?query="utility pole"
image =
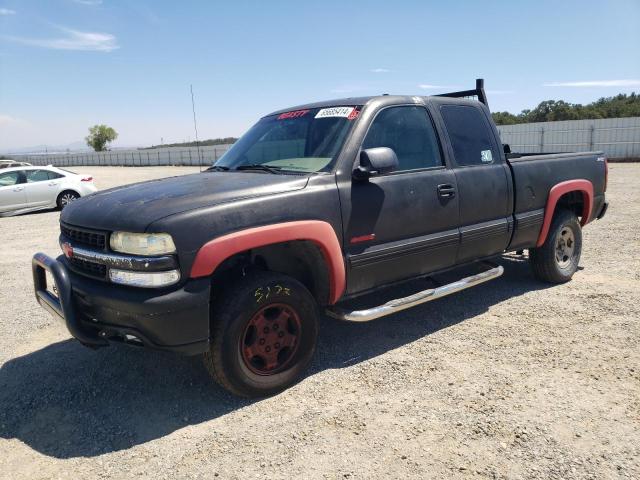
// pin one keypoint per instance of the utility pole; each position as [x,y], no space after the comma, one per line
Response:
[195,127]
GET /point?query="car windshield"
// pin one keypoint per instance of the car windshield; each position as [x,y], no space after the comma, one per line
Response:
[304,141]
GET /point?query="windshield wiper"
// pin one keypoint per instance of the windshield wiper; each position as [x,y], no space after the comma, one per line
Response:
[259,166]
[217,168]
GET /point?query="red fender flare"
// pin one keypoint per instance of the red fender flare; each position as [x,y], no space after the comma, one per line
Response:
[583,186]
[216,251]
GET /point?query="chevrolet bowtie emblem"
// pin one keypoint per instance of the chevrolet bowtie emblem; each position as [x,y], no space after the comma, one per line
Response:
[67,249]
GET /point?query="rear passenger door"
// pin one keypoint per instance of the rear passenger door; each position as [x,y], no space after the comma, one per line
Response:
[41,189]
[484,182]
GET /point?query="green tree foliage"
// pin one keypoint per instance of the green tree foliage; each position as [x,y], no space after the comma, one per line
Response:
[99,136]
[622,105]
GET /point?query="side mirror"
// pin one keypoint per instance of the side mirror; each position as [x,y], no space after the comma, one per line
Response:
[375,161]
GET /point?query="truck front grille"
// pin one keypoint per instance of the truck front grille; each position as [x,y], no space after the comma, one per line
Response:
[89,238]
[91,269]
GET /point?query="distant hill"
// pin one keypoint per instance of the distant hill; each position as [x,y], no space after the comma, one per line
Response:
[202,143]
[71,147]
[622,105]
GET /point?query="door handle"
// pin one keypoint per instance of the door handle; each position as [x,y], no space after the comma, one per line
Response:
[446,190]
[18,189]
[53,184]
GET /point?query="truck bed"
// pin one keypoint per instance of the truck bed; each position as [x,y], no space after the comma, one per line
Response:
[533,177]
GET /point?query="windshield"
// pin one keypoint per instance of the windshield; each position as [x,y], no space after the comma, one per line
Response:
[303,141]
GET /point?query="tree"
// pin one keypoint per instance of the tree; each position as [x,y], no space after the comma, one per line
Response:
[621,105]
[99,136]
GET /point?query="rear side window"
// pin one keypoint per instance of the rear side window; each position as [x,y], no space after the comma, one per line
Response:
[408,132]
[470,136]
[37,176]
[54,175]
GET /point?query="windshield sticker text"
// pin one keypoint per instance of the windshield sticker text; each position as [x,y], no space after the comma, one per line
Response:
[295,114]
[335,112]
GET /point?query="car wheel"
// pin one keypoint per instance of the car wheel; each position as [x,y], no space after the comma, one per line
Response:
[557,259]
[264,333]
[65,198]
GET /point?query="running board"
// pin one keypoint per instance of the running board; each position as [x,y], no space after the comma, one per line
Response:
[419,298]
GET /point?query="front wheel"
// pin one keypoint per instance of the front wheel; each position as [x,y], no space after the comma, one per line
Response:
[264,332]
[556,260]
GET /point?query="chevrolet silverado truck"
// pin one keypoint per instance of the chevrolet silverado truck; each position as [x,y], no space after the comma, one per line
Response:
[313,206]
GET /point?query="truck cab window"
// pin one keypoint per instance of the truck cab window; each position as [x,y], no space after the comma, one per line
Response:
[469,134]
[409,132]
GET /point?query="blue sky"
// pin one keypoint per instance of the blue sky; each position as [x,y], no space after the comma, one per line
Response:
[68,64]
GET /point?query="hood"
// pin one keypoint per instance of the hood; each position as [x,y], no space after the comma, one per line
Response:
[133,207]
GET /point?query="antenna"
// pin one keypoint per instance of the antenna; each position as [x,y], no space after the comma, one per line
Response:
[195,127]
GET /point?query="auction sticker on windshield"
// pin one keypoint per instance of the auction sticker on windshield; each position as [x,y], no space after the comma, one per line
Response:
[296,114]
[335,112]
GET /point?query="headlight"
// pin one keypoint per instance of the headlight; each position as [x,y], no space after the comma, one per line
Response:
[144,279]
[142,243]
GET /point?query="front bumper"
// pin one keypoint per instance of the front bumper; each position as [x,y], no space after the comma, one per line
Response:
[96,312]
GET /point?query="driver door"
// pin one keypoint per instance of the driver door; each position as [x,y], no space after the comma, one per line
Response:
[405,223]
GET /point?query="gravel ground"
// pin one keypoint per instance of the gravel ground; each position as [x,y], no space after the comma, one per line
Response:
[513,379]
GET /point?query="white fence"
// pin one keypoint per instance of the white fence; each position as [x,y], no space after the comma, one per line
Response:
[616,137]
[131,158]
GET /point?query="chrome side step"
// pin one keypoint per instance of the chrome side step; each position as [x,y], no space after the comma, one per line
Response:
[419,298]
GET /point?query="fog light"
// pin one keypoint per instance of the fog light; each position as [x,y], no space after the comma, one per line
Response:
[144,279]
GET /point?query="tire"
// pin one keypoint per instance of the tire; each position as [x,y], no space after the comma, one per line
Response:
[66,197]
[557,259]
[255,317]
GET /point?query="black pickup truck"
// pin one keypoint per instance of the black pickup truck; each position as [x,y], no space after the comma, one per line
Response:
[313,206]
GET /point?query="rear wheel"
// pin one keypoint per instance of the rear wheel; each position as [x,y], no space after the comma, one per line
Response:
[65,198]
[264,333]
[557,259]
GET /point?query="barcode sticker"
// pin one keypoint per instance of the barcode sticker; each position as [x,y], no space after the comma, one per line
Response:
[335,112]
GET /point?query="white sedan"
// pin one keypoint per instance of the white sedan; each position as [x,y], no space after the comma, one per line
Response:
[25,189]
